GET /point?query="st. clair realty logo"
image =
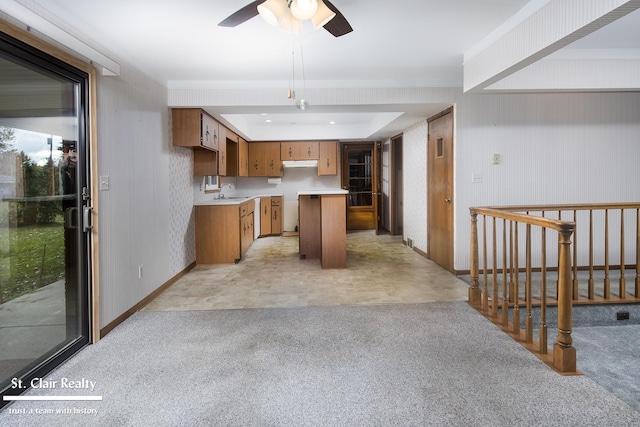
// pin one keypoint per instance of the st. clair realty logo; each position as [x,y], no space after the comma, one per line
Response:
[62,383]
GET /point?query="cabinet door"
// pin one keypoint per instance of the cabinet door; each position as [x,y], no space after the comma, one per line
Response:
[273,164]
[276,215]
[265,216]
[257,159]
[222,151]
[328,162]
[209,132]
[264,159]
[243,157]
[299,150]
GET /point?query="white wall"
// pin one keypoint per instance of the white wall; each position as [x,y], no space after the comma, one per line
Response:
[146,216]
[554,148]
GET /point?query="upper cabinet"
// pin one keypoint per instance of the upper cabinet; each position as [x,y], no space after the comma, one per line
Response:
[193,127]
[299,150]
[328,160]
[264,159]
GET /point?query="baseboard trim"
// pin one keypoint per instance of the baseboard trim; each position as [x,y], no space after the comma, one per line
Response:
[140,305]
[422,253]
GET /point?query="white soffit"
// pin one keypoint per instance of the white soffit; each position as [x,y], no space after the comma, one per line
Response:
[308,125]
[556,24]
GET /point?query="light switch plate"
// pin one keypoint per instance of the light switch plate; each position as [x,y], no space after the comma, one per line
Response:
[104,183]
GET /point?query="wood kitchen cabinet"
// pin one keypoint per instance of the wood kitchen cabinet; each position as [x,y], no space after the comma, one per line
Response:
[264,159]
[193,127]
[328,158]
[223,157]
[243,157]
[271,222]
[299,150]
[265,216]
[223,232]
[276,215]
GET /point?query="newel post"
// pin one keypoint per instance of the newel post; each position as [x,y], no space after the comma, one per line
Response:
[564,354]
[475,294]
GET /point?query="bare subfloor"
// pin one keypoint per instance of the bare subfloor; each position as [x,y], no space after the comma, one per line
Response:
[380,270]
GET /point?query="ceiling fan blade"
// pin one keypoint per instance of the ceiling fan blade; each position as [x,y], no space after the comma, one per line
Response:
[242,15]
[338,26]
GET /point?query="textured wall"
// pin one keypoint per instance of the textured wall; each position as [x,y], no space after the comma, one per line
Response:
[414,158]
[145,217]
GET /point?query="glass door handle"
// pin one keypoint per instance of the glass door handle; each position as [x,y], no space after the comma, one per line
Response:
[86,218]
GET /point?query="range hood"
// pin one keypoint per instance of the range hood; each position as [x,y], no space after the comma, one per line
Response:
[299,163]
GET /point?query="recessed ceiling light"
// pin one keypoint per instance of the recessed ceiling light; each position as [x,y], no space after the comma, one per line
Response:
[268,121]
[332,122]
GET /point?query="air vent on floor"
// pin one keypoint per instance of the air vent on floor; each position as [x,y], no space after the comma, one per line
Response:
[410,242]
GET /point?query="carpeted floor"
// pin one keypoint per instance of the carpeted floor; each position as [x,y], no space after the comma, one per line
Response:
[412,364]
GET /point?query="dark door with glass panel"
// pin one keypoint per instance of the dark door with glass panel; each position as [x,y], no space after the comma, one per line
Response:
[44,283]
[359,176]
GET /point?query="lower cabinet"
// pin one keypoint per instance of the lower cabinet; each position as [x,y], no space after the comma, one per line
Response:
[265,216]
[223,232]
[276,215]
[271,223]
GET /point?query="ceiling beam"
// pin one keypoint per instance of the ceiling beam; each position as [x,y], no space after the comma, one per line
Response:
[555,25]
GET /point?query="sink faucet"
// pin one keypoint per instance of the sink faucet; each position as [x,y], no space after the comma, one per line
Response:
[221,194]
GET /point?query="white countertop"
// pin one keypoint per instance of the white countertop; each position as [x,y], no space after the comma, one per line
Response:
[233,200]
[321,192]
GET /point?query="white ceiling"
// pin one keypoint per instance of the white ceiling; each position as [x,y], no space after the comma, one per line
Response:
[408,44]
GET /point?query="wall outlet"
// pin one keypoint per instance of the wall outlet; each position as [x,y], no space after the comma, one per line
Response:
[476,178]
[622,315]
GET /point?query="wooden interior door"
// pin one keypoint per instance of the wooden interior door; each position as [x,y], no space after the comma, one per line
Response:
[440,189]
[360,177]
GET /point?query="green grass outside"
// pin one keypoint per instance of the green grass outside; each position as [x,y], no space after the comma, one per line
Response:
[30,257]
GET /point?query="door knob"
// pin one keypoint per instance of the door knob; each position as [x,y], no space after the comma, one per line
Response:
[447,200]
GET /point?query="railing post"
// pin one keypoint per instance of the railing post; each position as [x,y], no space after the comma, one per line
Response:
[474,289]
[564,354]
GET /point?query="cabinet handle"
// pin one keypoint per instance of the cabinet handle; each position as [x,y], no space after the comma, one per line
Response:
[275,215]
[271,164]
[265,209]
[309,151]
[328,162]
[256,166]
[290,152]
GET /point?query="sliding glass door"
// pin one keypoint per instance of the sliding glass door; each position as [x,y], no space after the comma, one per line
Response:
[44,283]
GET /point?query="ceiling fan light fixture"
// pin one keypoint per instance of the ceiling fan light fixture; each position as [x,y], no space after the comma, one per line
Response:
[272,11]
[290,23]
[304,9]
[322,16]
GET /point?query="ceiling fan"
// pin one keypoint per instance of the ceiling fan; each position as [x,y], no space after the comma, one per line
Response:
[323,13]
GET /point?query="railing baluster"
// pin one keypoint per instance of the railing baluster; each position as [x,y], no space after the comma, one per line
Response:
[607,281]
[505,292]
[576,292]
[622,292]
[494,299]
[591,291]
[527,287]
[485,297]
[516,283]
[637,253]
[543,295]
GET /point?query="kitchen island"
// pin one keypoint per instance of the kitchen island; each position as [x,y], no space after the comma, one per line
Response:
[323,226]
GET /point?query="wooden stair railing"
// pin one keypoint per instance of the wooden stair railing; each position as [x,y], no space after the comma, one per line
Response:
[496,291]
